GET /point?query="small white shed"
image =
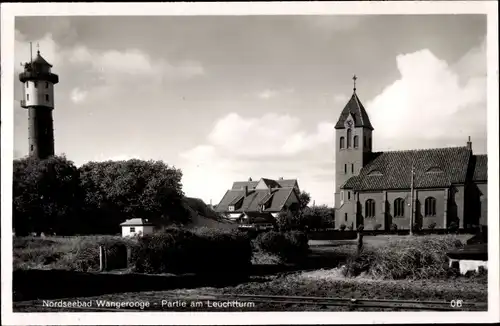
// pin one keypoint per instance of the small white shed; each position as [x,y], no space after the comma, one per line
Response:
[136,226]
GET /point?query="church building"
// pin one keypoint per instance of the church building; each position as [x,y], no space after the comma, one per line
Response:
[431,187]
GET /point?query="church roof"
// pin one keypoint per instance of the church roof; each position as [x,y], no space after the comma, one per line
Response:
[440,167]
[355,108]
[480,168]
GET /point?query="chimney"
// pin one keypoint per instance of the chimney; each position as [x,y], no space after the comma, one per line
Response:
[250,179]
[281,178]
[469,144]
[246,190]
[210,202]
[269,189]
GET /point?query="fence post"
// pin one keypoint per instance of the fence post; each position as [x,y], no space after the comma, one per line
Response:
[360,241]
[101,258]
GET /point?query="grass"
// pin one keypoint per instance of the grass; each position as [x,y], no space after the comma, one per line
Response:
[420,257]
[79,253]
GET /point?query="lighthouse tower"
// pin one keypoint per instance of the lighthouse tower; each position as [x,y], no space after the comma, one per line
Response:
[38,97]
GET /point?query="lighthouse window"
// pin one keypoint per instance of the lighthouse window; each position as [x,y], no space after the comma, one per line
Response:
[27,97]
[27,85]
[46,85]
[36,84]
[47,97]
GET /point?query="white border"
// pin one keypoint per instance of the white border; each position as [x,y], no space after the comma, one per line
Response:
[10,10]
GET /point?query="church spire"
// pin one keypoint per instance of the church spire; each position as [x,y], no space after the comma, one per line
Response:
[355,108]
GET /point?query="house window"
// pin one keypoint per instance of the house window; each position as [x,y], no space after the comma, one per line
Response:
[356,142]
[352,168]
[370,208]
[36,84]
[342,142]
[47,97]
[27,85]
[399,207]
[132,229]
[348,195]
[46,85]
[430,206]
[369,142]
[349,135]
[27,97]
[345,217]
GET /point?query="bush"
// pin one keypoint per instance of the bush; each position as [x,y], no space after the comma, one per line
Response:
[342,227]
[394,227]
[290,246]
[377,226]
[405,258]
[453,227]
[431,226]
[416,227]
[175,250]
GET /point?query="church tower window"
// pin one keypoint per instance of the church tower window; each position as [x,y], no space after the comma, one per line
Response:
[345,168]
[342,142]
[370,208]
[349,135]
[356,142]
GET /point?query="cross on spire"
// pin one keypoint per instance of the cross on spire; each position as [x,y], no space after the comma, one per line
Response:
[354,79]
[38,48]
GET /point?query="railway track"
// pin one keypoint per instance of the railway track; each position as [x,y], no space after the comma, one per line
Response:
[254,302]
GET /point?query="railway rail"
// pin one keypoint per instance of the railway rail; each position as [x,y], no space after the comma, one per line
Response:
[268,301]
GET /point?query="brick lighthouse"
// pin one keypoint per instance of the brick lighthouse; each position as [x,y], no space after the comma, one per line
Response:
[38,97]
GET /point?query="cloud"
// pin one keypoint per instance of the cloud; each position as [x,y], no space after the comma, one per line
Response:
[78,95]
[341,99]
[272,93]
[111,66]
[432,102]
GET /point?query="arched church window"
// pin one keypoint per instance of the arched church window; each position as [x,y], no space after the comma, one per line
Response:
[370,208]
[430,206]
[356,142]
[399,207]
[342,142]
[349,135]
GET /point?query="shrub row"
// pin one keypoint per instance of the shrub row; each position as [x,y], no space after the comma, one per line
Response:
[290,246]
[175,250]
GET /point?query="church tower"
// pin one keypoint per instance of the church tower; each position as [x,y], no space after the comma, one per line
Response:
[38,98]
[353,142]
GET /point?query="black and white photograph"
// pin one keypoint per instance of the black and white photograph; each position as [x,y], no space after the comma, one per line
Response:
[201,158]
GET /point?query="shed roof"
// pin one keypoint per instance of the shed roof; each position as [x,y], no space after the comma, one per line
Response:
[136,222]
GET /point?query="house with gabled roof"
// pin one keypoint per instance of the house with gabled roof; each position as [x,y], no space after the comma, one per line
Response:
[438,186]
[259,201]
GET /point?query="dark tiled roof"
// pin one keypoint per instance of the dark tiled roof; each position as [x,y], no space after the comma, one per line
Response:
[240,184]
[356,108]
[438,167]
[481,168]
[288,183]
[255,198]
[41,61]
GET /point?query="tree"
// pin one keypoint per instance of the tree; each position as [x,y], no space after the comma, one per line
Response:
[304,199]
[318,217]
[118,190]
[45,196]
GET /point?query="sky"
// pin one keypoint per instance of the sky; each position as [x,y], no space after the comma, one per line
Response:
[225,98]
